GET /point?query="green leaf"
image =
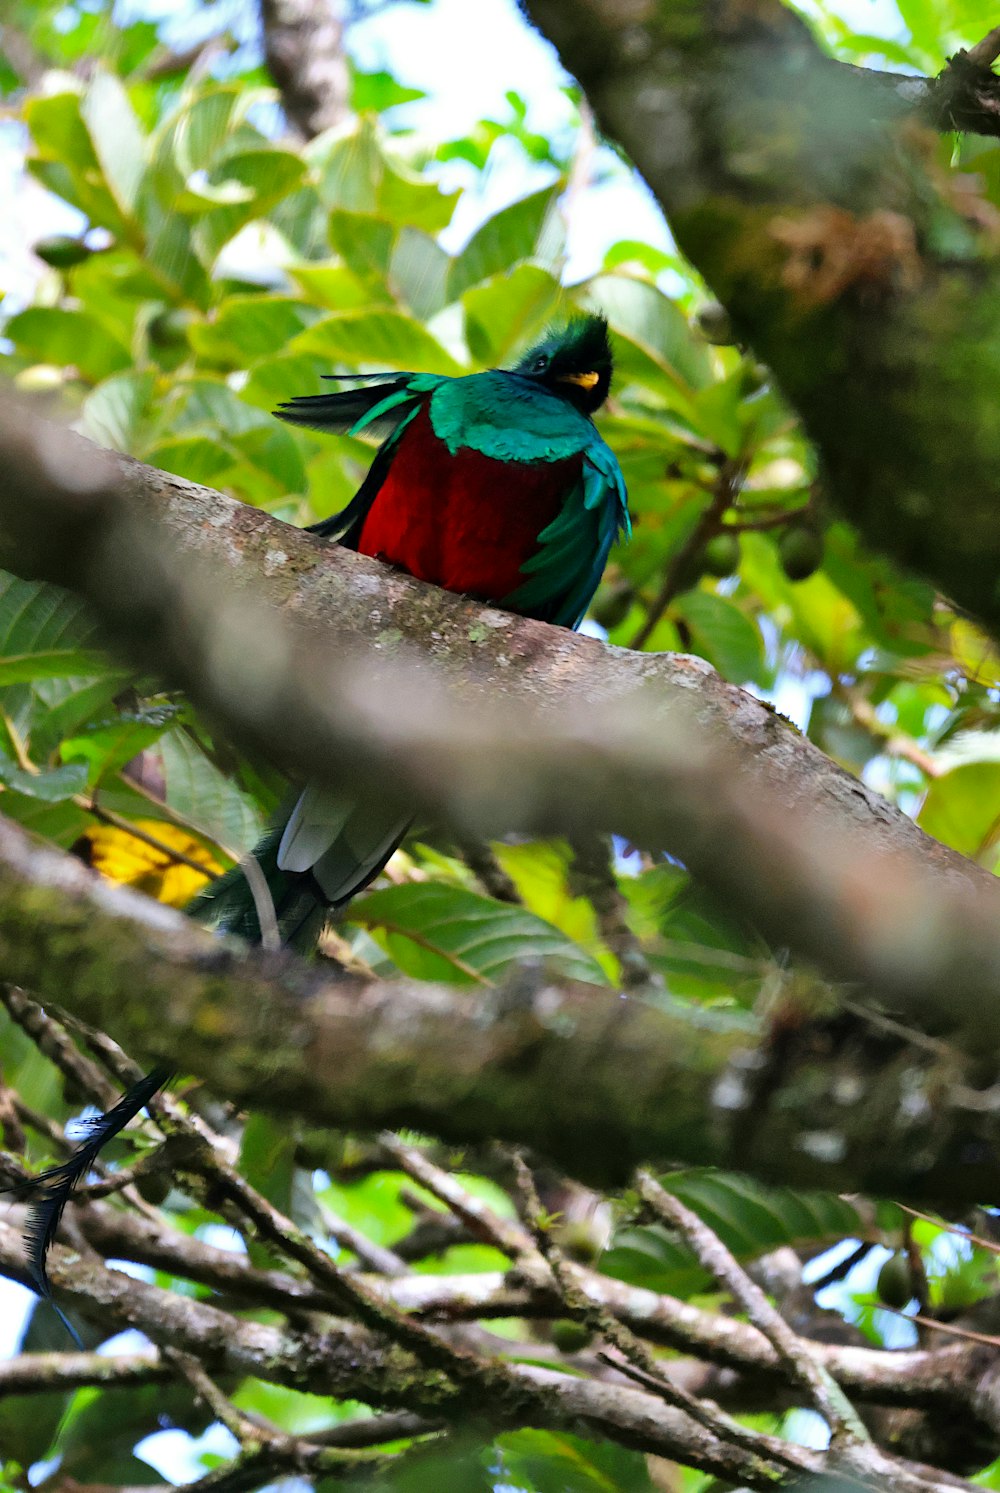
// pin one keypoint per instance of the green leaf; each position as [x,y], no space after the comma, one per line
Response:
[540,871]
[114,412]
[701,950]
[962,809]
[748,1217]
[275,452]
[250,327]
[58,130]
[377,91]
[106,746]
[459,1467]
[118,139]
[504,314]
[96,1444]
[819,614]
[266,177]
[54,786]
[356,173]
[199,458]
[207,797]
[55,663]
[267,1161]
[553,1462]
[276,379]
[43,620]
[418,272]
[29,1423]
[336,287]
[52,334]
[722,633]
[375,340]
[35,618]
[439,932]
[653,337]
[516,232]
[363,241]
[206,406]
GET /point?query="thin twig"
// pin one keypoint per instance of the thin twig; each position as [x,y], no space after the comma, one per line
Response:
[51,1039]
[986,51]
[957,1229]
[950,1329]
[727,485]
[639,1363]
[592,875]
[377,1258]
[479,856]
[479,1218]
[90,805]
[820,1386]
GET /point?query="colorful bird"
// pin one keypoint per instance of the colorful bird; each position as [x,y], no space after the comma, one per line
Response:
[496,485]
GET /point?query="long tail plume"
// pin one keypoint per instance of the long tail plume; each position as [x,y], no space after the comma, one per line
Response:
[49,1192]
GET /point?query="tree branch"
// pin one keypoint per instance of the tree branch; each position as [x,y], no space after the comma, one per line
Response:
[349,1361]
[862,274]
[351,673]
[304,51]
[597,1081]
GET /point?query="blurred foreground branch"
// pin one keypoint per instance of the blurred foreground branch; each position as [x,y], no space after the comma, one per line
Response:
[344,671]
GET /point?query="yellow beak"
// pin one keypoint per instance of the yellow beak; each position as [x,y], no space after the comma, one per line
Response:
[585,380]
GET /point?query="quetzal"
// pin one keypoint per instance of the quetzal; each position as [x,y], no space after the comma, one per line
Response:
[496,485]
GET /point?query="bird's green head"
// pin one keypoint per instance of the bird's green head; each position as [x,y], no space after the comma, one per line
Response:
[573,361]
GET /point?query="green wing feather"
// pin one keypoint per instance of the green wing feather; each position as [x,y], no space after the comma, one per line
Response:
[562,576]
[382,407]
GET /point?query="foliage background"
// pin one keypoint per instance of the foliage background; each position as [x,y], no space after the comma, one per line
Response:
[221,266]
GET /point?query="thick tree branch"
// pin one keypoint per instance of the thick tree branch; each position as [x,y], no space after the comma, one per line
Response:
[304,51]
[864,275]
[498,722]
[593,1079]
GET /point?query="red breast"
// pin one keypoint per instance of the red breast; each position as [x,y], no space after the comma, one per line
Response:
[465,521]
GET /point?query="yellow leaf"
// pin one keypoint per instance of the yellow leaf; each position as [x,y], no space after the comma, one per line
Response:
[153,869]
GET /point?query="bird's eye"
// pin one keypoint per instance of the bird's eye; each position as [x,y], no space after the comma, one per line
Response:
[540,364]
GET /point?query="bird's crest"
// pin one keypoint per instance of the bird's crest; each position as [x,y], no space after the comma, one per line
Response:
[573,360]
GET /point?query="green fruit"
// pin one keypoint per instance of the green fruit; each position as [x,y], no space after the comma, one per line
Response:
[153,1186]
[800,550]
[570,1336]
[721,555]
[169,328]
[62,251]
[612,603]
[714,324]
[895,1283]
[753,378]
[577,1240]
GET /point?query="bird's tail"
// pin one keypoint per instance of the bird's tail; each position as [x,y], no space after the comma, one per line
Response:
[295,904]
[331,847]
[49,1192]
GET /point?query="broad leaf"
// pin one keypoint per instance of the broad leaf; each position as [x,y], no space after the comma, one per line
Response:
[439,932]
[748,1217]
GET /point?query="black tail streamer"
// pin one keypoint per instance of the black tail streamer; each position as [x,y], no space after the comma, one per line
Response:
[49,1192]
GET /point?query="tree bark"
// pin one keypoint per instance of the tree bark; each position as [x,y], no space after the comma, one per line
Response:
[864,275]
[351,673]
[304,51]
